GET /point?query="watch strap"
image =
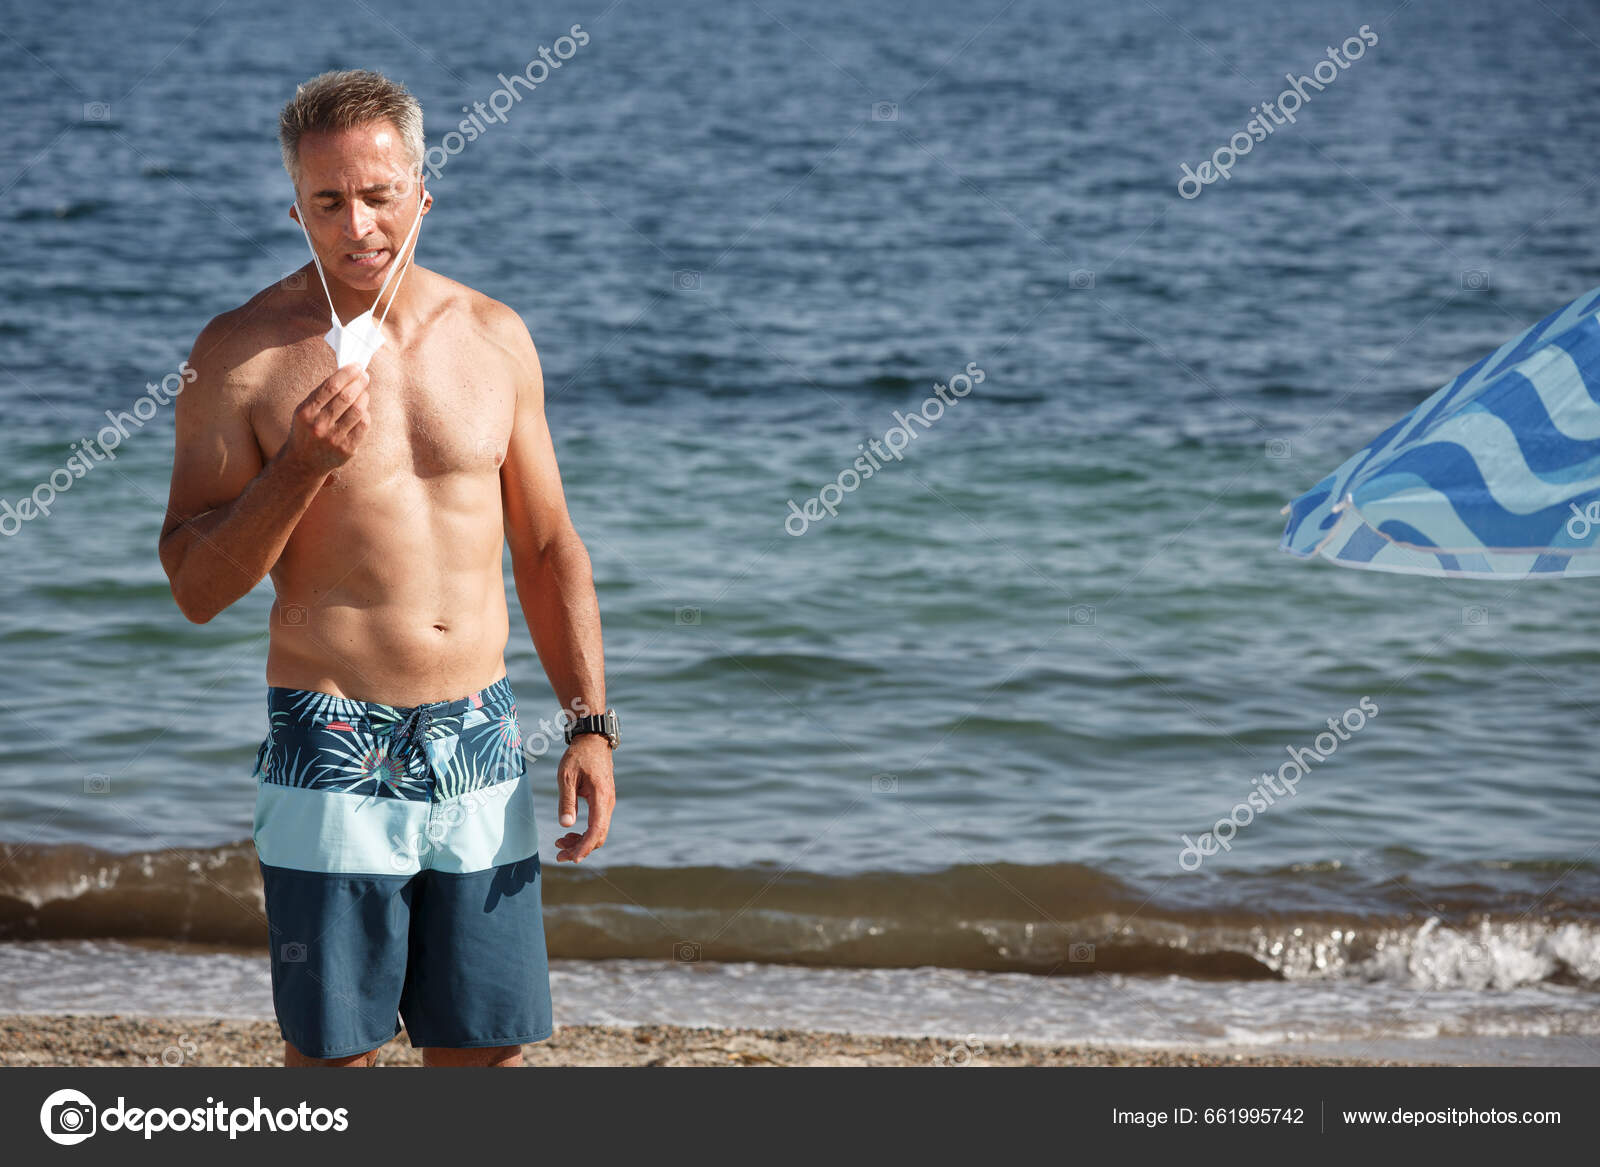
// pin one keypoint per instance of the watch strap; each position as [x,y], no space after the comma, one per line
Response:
[604,724]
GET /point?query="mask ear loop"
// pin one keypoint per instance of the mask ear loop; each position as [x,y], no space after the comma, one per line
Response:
[401,269]
[300,218]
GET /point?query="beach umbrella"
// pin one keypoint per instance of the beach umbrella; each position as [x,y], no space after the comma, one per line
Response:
[1495,476]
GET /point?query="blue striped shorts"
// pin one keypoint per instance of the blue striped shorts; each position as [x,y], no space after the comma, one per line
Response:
[400,865]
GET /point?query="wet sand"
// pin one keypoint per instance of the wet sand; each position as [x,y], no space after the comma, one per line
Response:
[120,1040]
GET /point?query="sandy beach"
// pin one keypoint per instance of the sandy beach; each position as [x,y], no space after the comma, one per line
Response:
[117,1040]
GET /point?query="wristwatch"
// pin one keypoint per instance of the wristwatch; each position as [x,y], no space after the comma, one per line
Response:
[604,724]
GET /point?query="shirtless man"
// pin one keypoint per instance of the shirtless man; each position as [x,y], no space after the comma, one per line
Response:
[394,818]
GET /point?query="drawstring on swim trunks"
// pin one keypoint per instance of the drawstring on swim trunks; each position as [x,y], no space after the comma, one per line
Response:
[412,731]
[407,737]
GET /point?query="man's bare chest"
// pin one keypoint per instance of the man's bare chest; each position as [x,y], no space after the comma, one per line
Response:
[429,415]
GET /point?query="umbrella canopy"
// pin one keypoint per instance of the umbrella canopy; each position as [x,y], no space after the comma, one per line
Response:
[1496,475]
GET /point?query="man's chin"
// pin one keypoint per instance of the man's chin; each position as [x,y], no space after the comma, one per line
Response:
[367,283]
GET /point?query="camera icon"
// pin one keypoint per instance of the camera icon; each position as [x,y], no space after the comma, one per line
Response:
[1278,448]
[402,182]
[885,111]
[96,111]
[1081,615]
[294,614]
[1081,280]
[1474,616]
[885,783]
[686,281]
[1081,951]
[295,281]
[1475,281]
[292,952]
[686,952]
[686,616]
[97,784]
[488,450]
[174,1055]
[76,1120]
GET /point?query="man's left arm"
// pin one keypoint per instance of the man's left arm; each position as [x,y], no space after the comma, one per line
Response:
[555,586]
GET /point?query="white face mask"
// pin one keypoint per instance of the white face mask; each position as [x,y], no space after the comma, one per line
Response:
[354,343]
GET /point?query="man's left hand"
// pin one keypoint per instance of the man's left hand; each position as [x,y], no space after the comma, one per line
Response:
[585,771]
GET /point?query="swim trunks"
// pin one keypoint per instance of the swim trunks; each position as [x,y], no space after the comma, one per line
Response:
[400,865]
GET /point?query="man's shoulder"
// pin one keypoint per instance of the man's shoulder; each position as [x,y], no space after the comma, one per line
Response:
[496,320]
[259,333]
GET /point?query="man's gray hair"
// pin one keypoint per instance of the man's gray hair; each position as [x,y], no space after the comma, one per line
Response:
[343,99]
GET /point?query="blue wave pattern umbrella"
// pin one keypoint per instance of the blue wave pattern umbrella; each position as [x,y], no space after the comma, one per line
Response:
[1495,476]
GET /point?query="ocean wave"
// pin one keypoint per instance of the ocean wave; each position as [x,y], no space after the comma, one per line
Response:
[1303,923]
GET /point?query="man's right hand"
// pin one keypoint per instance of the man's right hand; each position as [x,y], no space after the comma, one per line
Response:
[329,425]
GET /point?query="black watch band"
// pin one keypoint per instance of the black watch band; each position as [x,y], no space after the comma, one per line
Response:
[605,724]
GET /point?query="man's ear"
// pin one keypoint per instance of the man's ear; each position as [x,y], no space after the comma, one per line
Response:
[294,212]
[427,200]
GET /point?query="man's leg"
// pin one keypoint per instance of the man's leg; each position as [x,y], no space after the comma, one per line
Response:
[293,1057]
[477,982]
[336,874]
[489,1055]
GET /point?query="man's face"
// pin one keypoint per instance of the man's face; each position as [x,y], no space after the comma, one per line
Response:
[359,199]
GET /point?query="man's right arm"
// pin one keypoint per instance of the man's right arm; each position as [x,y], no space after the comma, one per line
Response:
[230,512]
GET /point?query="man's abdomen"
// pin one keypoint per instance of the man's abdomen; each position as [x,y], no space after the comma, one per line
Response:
[394,595]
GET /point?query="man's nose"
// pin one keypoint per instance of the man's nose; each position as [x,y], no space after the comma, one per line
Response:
[357,222]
